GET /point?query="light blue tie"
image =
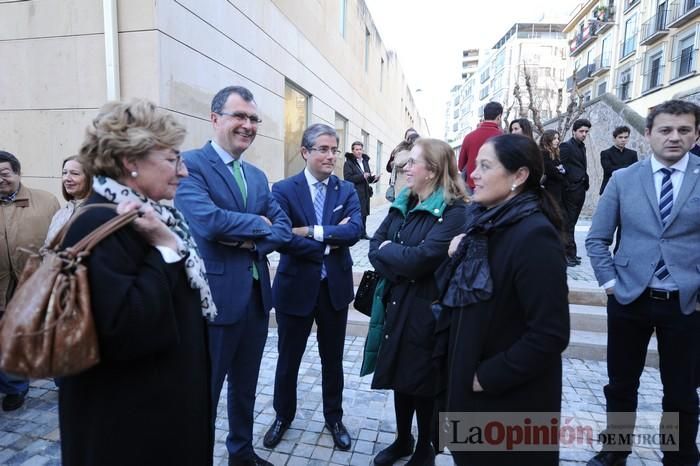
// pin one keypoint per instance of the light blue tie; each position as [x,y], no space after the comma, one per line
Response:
[665,207]
[319,202]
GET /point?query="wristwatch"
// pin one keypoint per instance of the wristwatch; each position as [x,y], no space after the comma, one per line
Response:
[310,232]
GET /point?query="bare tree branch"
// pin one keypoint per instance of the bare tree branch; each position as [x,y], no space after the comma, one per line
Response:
[536,119]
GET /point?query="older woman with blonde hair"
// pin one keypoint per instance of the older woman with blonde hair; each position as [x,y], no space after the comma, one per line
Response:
[147,401]
[76,186]
[406,250]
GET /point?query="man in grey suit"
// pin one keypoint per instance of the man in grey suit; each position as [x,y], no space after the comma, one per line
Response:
[653,280]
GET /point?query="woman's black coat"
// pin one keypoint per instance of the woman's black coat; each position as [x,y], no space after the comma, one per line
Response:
[514,340]
[419,245]
[147,401]
[555,182]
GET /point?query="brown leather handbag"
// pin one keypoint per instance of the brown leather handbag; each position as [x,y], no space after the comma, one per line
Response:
[48,329]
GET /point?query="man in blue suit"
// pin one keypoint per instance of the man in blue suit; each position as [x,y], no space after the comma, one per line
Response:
[236,222]
[314,280]
[654,279]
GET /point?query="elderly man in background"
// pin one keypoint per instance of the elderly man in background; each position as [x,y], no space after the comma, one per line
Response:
[25,215]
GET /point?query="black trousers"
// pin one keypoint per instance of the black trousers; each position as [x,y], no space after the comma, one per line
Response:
[573,203]
[293,333]
[629,329]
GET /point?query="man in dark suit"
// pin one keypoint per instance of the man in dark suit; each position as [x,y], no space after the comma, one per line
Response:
[653,281]
[573,156]
[357,171]
[314,280]
[236,222]
[617,156]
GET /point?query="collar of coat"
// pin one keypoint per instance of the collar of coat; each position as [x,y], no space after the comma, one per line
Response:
[435,203]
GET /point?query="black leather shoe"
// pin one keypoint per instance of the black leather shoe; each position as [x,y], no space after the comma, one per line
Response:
[14,401]
[274,433]
[340,435]
[394,452]
[608,458]
[254,460]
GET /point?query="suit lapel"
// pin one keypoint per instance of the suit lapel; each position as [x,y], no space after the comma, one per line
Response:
[647,179]
[331,199]
[690,179]
[223,171]
[301,188]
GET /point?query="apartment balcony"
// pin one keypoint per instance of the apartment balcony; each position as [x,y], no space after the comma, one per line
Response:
[684,64]
[583,38]
[569,84]
[602,65]
[682,11]
[653,78]
[604,17]
[627,47]
[629,4]
[584,75]
[655,28]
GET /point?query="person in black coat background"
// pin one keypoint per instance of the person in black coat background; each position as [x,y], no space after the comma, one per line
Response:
[617,156]
[148,399]
[407,248]
[357,171]
[506,302]
[554,171]
[573,156]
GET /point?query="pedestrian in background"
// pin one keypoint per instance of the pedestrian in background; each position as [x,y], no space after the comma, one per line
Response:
[554,180]
[521,126]
[357,171]
[25,214]
[406,250]
[488,128]
[573,157]
[149,298]
[616,156]
[507,297]
[76,186]
[397,161]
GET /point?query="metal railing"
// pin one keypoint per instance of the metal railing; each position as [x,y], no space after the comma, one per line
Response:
[685,63]
[655,24]
[653,78]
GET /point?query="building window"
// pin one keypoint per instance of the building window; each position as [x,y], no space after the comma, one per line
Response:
[684,59]
[341,127]
[602,88]
[605,53]
[381,75]
[343,12]
[296,119]
[365,140]
[629,43]
[366,49]
[653,70]
[378,162]
[624,86]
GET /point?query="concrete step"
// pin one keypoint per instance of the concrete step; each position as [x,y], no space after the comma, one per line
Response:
[593,345]
[588,318]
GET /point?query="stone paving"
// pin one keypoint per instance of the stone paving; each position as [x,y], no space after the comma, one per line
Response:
[30,435]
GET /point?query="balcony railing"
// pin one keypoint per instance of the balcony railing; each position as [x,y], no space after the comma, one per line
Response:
[624,89]
[683,11]
[584,75]
[655,28]
[604,17]
[653,78]
[584,37]
[684,64]
[628,47]
[602,64]
[630,3]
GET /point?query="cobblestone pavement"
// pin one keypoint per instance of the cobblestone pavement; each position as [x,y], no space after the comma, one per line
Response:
[30,435]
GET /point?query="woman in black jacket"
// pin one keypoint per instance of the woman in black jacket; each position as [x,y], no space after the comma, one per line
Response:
[554,171]
[406,250]
[507,326]
[147,401]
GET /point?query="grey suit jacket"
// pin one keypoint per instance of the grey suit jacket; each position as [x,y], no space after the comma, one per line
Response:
[630,202]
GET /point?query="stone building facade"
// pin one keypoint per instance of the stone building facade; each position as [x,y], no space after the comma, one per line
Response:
[306,61]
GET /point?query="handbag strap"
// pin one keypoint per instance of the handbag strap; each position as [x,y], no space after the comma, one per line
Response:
[61,234]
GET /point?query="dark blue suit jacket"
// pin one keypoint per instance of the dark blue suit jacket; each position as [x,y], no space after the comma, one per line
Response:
[298,278]
[213,205]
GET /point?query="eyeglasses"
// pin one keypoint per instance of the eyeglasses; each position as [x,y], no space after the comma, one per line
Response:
[324,150]
[242,117]
[412,162]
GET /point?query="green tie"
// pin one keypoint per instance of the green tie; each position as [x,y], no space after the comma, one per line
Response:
[236,165]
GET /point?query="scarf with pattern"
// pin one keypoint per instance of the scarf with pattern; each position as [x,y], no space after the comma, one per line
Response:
[116,192]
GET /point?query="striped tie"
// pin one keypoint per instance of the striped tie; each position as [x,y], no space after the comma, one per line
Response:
[665,207]
[319,201]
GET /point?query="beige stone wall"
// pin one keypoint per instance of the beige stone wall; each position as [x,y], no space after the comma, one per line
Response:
[179,53]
